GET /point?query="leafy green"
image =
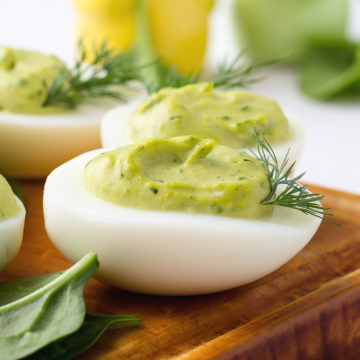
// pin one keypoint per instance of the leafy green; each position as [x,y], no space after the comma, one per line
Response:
[55,309]
[322,47]
[10,291]
[331,71]
[274,27]
[74,344]
[295,196]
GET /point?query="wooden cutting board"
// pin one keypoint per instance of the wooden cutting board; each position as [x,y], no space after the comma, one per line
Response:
[307,309]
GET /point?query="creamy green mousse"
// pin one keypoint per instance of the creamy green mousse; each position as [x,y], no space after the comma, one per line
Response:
[206,112]
[185,173]
[24,79]
[8,205]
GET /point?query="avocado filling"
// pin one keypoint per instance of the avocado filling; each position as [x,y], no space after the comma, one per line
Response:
[24,79]
[8,205]
[186,173]
[201,110]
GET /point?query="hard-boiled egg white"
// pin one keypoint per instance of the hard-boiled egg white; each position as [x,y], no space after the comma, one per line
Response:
[31,146]
[11,234]
[167,253]
[113,130]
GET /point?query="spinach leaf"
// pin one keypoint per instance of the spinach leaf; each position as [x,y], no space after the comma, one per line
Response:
[331,71]
[13,290]
[87,335]
[54,310]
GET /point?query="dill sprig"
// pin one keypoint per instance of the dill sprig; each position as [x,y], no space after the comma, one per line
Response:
[237,74]
[94,79]
[229,74]
[171,78]
[295,196]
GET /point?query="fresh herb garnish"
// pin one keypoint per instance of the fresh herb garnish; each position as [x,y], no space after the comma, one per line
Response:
[94,79]
[171,78]
[50,309]
[295,196]
[229,74]
[234,74]
[176,118]
[224,117]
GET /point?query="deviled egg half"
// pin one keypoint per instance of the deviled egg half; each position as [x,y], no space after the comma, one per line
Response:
[179,216]
[202,110]
[36,138]
[12,219]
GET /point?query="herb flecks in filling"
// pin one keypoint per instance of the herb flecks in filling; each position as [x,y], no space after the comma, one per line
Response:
[25,77]
[207,112]
[187,174]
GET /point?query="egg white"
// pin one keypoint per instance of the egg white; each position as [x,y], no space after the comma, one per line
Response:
[167,253]
[33,145]
[113,131]
[11,234]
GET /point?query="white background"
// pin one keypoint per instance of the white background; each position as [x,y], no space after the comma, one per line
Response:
[332,149]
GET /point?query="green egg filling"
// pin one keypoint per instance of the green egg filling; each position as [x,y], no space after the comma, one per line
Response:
[186,173]
[24,79]
[8,205]
[209,113]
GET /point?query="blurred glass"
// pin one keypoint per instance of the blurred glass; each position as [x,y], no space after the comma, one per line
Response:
[274,27]
[316,32]
[174,30]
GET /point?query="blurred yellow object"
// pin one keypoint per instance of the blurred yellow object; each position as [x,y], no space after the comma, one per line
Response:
[178,28]
[106,20]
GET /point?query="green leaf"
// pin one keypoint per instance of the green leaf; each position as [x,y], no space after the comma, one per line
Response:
[87,335]
[75,343]
[11,291]
[52,311]
[331,71]
[273,27]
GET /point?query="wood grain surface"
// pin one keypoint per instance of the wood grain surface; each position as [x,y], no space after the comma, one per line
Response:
[307,309]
